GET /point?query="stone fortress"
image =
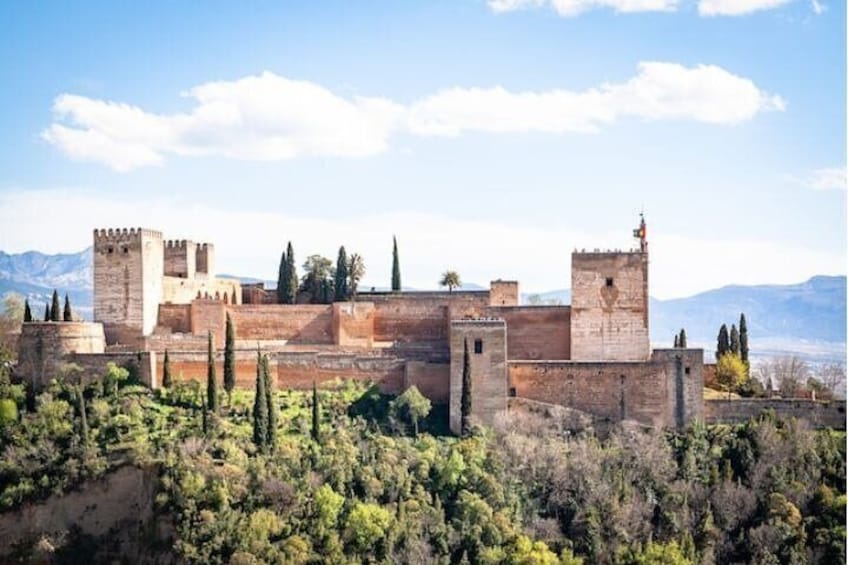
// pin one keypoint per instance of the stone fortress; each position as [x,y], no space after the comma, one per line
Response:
[153,295]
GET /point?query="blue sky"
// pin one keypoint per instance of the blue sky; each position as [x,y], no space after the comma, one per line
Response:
[492,138]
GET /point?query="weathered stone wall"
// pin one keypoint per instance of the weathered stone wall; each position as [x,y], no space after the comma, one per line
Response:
[488,369]
[609,306]
[659,393]
[301,323]
[209,316]
[820,414]
[536,332]
[353,324]
[128,270]
[43,347]
[503,293]
[177,290]
[300,370]
[256,293]
[180,258]
[122,498]
[431,379]
[94,365]
[205,254]
[175,317]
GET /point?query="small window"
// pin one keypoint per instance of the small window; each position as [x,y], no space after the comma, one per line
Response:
[609,281]
[478,346]
[126,250]
[111,249]
[686,370]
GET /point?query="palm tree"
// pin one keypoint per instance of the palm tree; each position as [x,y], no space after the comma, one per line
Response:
[451,280]
[355,272]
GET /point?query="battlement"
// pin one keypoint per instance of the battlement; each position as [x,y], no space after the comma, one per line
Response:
[178,244]
[122,234]
[607,252]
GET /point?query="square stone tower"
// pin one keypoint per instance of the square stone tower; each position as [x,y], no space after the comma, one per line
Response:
[609,306]
[128,269]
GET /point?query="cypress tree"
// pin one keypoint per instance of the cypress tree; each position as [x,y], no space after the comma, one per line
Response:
[281,279]
[167,379]
[211,379]
[66,313]
[734,339]
[260,407]
[291,272]
[340,277]
[47,312]
[27,311]
[83,423]
[682,340]
[272,404]
[395,266]
[229,358]
[743,339]
[676,343]
[316,415]
[54,308]
[723,342]
[204,415]
[465,398]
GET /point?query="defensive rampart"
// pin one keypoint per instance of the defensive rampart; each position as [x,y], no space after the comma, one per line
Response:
[820,414]
[536,332]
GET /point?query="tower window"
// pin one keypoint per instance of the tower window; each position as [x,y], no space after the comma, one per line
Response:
[111,249]
[609,281]
[687,370]
[478,346]
[126,250]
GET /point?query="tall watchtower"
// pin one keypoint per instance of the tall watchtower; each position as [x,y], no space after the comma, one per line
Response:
[128,269]
[609,303]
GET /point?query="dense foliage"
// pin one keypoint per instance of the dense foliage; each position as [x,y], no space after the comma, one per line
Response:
[373,491]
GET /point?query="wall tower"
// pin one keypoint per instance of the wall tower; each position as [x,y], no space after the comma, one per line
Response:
[128,269]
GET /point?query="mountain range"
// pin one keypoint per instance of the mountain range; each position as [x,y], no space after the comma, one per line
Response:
[807,319]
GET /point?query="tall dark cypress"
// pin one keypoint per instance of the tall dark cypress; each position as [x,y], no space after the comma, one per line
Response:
[167,379]
[395,266]
[55,310]
[230,358]
[204,415]
[734,340]
[743,338]
[723,341]
[83,423]
[676,341]
[340,277]
[27,311]
[291,272]
[67,315]
[465,398]
[260,407]
[47,312]
[682,340]
[211,379]
[316,414]
[281,279]
[271,437]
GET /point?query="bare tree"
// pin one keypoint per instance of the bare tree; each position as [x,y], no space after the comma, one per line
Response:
[787,374]
[832,376]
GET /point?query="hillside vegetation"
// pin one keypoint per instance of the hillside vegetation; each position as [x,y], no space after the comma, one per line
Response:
[366,489]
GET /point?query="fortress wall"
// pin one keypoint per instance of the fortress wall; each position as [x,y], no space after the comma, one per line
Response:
[303,323]
[175,317]
[820,414]
[503,293]
[209,316]
[178,290]
[431,379]
[300,370]
[408,317]
[536,332]
[617,391]
[353,324]
[95,364]
[609,306]
[180,258]
[43,346]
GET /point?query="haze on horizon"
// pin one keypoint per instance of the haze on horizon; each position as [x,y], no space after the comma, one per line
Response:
[492,138]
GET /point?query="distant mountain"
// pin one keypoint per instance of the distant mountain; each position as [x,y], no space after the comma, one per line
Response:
[806,318]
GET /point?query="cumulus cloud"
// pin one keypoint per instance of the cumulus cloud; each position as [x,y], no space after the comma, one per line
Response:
[570,8]
[268,117]
[250,246]
[737,7]
[827,179]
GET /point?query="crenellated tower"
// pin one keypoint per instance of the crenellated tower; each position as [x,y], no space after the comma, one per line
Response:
[128,270]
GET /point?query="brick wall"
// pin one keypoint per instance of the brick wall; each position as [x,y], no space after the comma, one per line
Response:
[299,370]
[353,324]
[295,323]
[432,379]
[536,332]
[819,414]
[488,369]
[43,347]
[503,293]
[175,317]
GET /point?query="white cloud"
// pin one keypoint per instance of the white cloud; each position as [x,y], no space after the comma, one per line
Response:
[570,8]
[736,7]
[818,7]
[250,246]
[268,117]
[827,179]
